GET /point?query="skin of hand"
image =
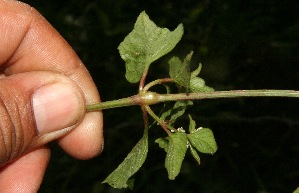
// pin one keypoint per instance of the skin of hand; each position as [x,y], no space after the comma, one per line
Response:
[44,88]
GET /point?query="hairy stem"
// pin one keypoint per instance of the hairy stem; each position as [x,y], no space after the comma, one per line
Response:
[142,81]
[145,118]
[110,104]
[229,94]
[150,98]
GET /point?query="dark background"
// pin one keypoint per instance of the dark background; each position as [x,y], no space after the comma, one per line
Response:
[242,45]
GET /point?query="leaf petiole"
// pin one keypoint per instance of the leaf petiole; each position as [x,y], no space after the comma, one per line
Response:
[162,123]
[156,82]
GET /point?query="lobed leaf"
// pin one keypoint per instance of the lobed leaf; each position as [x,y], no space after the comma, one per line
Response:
[145,44]
[176,151]
[119,178]
[203,140]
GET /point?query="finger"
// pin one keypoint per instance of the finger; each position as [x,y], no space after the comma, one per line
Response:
[72,142]
[35,108]
[14,177]
[30,43]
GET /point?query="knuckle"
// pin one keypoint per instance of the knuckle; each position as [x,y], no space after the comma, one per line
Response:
[13,123]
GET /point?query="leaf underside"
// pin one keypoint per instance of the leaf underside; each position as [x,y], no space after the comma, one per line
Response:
[134,160]
[176,151]
[179,72]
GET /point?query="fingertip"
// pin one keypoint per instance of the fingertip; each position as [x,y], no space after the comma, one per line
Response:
[86,140]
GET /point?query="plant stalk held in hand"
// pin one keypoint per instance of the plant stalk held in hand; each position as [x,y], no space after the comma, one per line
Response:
[144,45]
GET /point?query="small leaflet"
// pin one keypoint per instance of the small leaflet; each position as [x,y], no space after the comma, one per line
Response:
[198,85]
[197,71]
[203,140]
[179,109]
[192,125]
[176,111]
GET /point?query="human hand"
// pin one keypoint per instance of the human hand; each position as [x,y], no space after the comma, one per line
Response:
[44,88]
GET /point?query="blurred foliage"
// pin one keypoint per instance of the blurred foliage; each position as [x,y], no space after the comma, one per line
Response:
[242,45]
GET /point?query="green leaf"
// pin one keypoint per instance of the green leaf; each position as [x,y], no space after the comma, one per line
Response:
[180,71]
[195,154]
[176,111]
[163,143]
[145,44]
[296,191]
[192,125]
[197,71]
[203,140]
[179,109]
[198,85]
[131,183]
[176,151]
[119,178]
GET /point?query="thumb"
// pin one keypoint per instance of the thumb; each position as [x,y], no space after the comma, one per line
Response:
[36,108]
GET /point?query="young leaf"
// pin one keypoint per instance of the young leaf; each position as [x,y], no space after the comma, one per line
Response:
[198,85]
[192,125]
[179,109]
[145,44]
[195,154]
[197,71]
[163,143]
[180,71]
[176,151]
[131,183]
[203,140]
[176,111]
[119,178]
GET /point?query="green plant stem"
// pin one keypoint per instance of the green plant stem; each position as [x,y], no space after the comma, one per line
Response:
[161,122]
[150,98]
[145,117]
[229,94]
[110,104]
[155,82]
[142,80]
